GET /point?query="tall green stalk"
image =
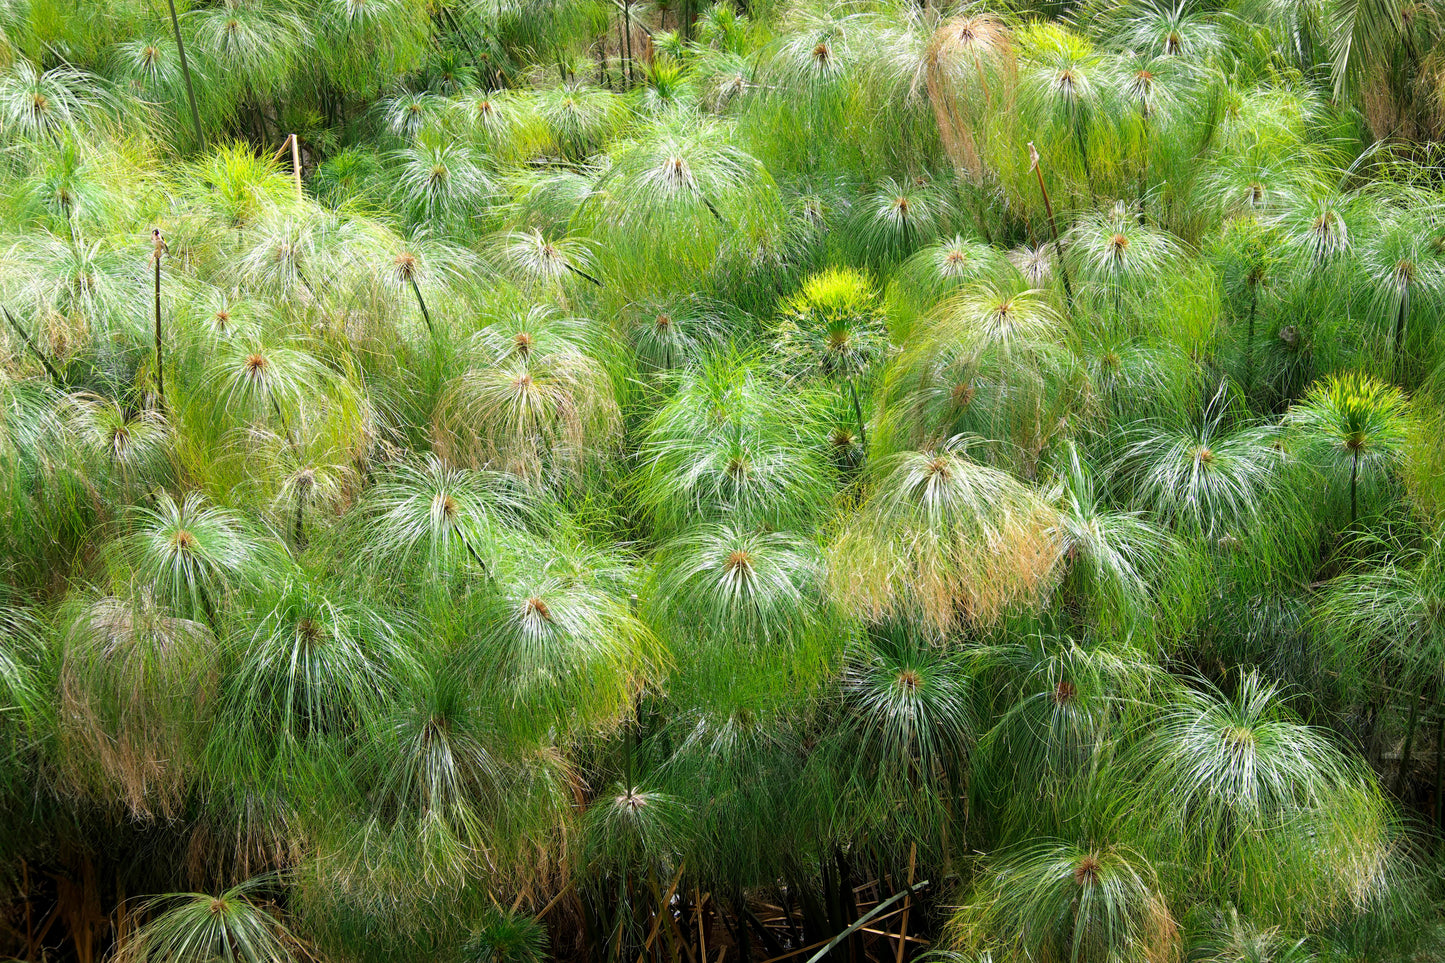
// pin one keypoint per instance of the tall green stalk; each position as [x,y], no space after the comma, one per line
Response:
[1409,741]
[186,74]
[858,412]
[159,249]
[1354,485]
[1400,334]
[421,303]
[1249,337]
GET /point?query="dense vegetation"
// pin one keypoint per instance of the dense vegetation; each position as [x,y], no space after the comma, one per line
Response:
[490,480]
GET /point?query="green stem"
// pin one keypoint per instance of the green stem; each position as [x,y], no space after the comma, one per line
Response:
[160,363]
[186,73]
[584,275]
[425,315]
[858,412]
[1409,741]
[1354,485]
[1084,154]
[1400,335]
[24,336]
[627,39]
[1249,340]
[300,518]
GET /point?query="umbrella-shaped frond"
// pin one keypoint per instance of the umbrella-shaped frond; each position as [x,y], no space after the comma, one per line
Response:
[947,265]
[733,441]
[742,587]
[75,187]
[1353,838]
[1241,185]
[1390,614]
[303,255]
[573,651]
[547,199]
[535,399]
[1208,478]
[579,119]
[1353,429]
[123,442]
[907,711]
[895,219]
[313,664]
[401,273]
[1225,768]
[440,772]
[971,67]
[1067,91]
[722,78]
[1160,93]
[504,124]
[633,829]
[678,191]
[816,55]
[407,113]
[1317,230]
[190,554]
[274,380]
[1133,377]
[677,332]
[1056,902]
[1113,250]
[997,318]
[442,182]
[1059,710]
[943,537]
[1402,265]
[835,324]
[136,687]
[1159,28]
[428,519]
[37,104]
[201,928]
[894,45]
[1228,937]
[542,264]
[150,65]
[991,362]
[1116,559]
[251,46]
[74,293]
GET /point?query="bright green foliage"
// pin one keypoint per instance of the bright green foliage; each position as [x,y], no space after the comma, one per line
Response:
[1353,429]
[488,481]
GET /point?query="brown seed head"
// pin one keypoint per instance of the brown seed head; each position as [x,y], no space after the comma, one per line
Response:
[405,265]
[535,604]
